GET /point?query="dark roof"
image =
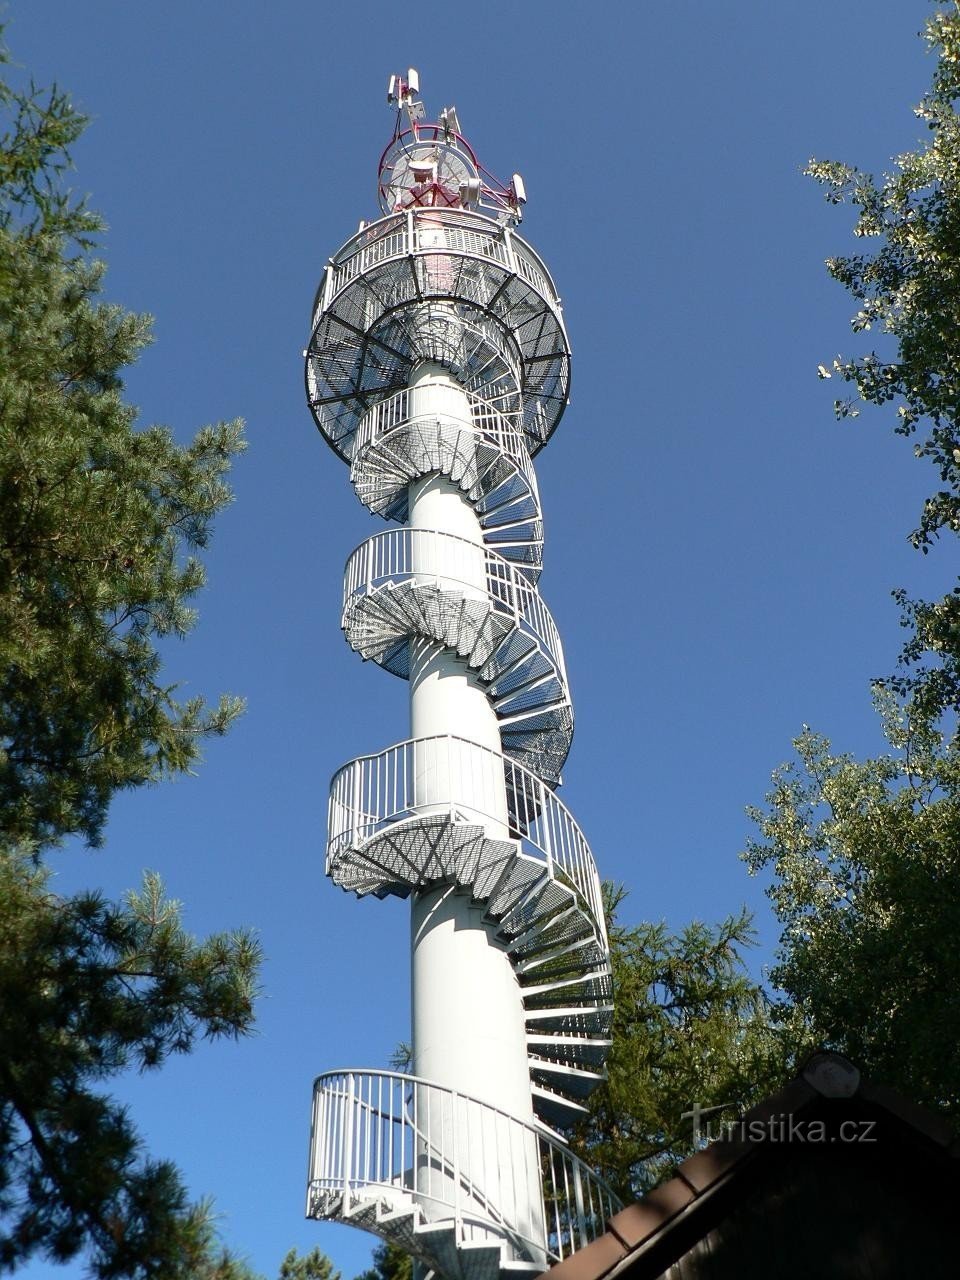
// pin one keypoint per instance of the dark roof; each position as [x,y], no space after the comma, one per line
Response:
[832,1176]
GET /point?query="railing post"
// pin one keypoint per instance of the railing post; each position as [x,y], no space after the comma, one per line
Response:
[348,1136]
[581,1215]
[544,1225]
[543,800]
[356,816]
[459,1119]
[511,255]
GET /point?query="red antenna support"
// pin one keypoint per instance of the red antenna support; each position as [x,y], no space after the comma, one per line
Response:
[433,165]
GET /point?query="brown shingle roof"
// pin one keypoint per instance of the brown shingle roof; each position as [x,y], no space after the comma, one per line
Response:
[828,1085]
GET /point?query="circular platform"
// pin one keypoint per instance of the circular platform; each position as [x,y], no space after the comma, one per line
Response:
[442,285]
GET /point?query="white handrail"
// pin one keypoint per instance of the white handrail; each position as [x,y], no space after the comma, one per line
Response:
[373,792]
[488,421]
[403,554]
[411,1142]
[464,233]
[392,429]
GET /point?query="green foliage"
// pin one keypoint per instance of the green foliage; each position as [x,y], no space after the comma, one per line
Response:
[389,1263]
[312,1266]
[866,860]
[865,855]
[907,290]
[690,1028]
[98,526]
[87,988]
[97,521]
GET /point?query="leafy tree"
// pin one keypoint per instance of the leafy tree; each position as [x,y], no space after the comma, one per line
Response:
[907,290]
[866,860]
[865,855]
[99,524]
[690,1030]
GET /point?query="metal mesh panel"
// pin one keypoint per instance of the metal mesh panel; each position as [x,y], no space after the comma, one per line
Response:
[382,309]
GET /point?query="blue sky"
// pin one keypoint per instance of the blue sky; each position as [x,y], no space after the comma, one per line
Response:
[719,550]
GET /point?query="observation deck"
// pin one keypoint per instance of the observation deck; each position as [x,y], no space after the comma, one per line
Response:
[443,285]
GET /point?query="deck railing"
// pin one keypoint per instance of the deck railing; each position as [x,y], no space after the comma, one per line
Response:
[372,792]
[455,563]
[408,1142]
[417,231]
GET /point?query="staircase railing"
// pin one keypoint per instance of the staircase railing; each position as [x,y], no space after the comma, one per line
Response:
[373,792]
[485,419]
[400,555]
[369,1139]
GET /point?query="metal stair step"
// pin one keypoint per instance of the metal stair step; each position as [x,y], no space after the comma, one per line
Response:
[414,600]
[516,647]
[432,611]
[380,855]
[399,1225]
[568,925]
[542,900]
[493,863]
[556,957]
[476,622]
[575,1050]
[492,632]
[537,691]
[572,1019]
[566,919]
[513,885]
[587,989]
[390,457]
[439,1242]
[483,1261]
[555,1108]
[575,1081]
[500,485]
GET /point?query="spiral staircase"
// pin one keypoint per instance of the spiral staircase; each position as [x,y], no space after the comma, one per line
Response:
[453,288]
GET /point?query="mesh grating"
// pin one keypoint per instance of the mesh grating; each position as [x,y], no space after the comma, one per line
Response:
[483,307]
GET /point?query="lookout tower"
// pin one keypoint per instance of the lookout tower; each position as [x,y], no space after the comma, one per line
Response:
[437,368]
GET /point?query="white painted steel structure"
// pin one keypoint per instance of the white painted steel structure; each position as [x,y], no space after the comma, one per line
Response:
[438,365]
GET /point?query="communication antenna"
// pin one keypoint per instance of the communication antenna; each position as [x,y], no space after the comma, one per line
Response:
[433,165]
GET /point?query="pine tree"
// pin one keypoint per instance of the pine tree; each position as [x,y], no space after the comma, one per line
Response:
[98,521]
[691,1036]
[99,526]
[389,1263]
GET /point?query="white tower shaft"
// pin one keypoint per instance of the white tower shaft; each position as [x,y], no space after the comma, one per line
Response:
[468,1028]
[437,367]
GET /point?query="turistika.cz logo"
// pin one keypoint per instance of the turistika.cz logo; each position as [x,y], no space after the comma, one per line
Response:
[709,1127]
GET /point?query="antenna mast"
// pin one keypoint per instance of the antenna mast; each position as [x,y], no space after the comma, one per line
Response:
[433,165]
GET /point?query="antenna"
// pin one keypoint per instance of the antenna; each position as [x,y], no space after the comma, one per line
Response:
[449,122]
[434,165]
